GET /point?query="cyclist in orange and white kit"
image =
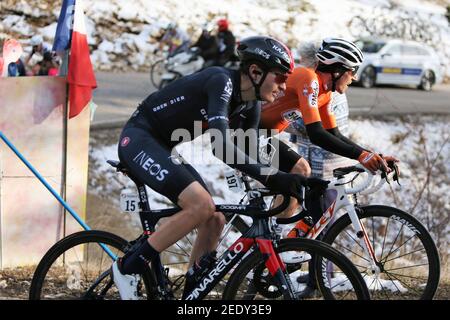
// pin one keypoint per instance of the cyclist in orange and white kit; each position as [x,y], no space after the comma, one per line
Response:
[307,96]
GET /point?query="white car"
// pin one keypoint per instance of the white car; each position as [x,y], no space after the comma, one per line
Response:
[398,62]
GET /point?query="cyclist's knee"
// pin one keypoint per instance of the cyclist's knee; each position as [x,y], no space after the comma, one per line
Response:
[195,200]
[302,167]
[218,220]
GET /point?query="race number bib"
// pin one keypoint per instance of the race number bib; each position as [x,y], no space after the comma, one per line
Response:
[129,201]
[234,181]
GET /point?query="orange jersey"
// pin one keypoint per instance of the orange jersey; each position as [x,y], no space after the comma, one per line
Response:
[304,97]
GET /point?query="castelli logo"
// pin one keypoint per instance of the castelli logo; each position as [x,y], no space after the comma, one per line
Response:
[125,141]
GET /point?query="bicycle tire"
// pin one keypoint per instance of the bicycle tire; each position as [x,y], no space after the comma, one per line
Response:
[413,228]
[319,249]
[62,248]
[156,81]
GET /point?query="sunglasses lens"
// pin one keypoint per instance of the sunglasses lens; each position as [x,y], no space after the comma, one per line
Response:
[280,78]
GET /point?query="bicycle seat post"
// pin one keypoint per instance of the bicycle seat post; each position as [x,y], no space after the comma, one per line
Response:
[144,207]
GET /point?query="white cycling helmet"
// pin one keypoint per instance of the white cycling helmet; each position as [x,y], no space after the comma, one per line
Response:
[336,54]
[36,40]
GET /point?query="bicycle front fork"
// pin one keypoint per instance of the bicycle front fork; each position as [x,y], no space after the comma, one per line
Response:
[276,267]
[363,238]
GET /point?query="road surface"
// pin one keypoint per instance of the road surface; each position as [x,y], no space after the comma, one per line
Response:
[118,95]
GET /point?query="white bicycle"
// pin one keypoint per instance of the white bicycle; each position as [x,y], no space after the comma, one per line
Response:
[394,252]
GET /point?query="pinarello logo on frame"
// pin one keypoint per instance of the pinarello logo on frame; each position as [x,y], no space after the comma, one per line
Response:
[125,141]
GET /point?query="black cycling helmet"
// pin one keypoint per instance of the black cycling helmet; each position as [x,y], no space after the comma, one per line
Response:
[267,53]
[270,53]
[337,55]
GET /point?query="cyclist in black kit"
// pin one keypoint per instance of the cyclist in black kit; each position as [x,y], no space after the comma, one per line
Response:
[217,98]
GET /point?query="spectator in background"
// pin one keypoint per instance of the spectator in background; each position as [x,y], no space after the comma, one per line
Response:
[176,39]
[46,67]
[207,43]
[226,42]
[41,58]
[17,69]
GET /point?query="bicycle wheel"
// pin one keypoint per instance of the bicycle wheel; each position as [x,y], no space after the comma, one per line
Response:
[407,256]
[336,277]
[176,257]
[157,70]
[77,267]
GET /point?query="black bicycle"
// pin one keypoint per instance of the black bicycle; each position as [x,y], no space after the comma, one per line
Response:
[258,265]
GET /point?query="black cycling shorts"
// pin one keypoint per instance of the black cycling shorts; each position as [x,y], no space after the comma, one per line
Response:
[285,157]
[153,163]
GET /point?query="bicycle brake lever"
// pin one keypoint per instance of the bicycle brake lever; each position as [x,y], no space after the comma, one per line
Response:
[396,176]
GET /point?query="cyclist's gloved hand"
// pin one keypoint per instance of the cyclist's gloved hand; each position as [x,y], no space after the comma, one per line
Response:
[317,184]
[372,161]
[287,183]
[391,162]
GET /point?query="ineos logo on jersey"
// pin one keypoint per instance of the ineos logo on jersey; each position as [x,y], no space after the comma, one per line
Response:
[149,165]
[314,95]
[227,91]
[125,141]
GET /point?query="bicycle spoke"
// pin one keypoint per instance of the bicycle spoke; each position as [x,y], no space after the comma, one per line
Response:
[414,266]
[404,255]
[183,254]
[411,277]
[343,247]
[395,240]
[398,248]
[404,283]
[356,241]
[373,234]
[385,235]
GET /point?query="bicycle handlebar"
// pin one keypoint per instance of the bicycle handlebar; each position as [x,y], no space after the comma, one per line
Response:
[363,185]
[253,210]
[363,188]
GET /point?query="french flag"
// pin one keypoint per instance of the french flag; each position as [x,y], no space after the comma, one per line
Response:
[80,74]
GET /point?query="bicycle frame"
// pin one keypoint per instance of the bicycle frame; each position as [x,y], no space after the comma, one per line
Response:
[258,237]
[344,200]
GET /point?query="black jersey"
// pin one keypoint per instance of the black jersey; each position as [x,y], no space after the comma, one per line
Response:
[207,100]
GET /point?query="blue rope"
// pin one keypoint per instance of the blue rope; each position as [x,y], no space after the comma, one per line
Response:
[55,194]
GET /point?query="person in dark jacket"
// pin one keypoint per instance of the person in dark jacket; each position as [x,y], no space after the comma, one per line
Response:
[226,42]
[207,43]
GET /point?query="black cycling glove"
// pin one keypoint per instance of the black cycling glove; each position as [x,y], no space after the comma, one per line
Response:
[317,186]
[287,183]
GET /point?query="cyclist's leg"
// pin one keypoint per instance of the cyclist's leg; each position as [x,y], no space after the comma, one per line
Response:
[287,160]
[150,160]
[208,232]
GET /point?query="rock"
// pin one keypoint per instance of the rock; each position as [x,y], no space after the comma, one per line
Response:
[3,284]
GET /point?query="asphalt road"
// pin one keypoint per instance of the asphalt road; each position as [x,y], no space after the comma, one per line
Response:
[118,95]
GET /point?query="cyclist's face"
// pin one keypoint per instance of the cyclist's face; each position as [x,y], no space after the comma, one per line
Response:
[274,83]
[344,81]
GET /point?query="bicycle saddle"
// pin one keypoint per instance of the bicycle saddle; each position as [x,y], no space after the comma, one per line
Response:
[118,165]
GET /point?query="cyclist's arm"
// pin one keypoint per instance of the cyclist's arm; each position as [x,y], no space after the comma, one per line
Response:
[324,139]
[312,117]
[219,91]
[329,123]
[335,132]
